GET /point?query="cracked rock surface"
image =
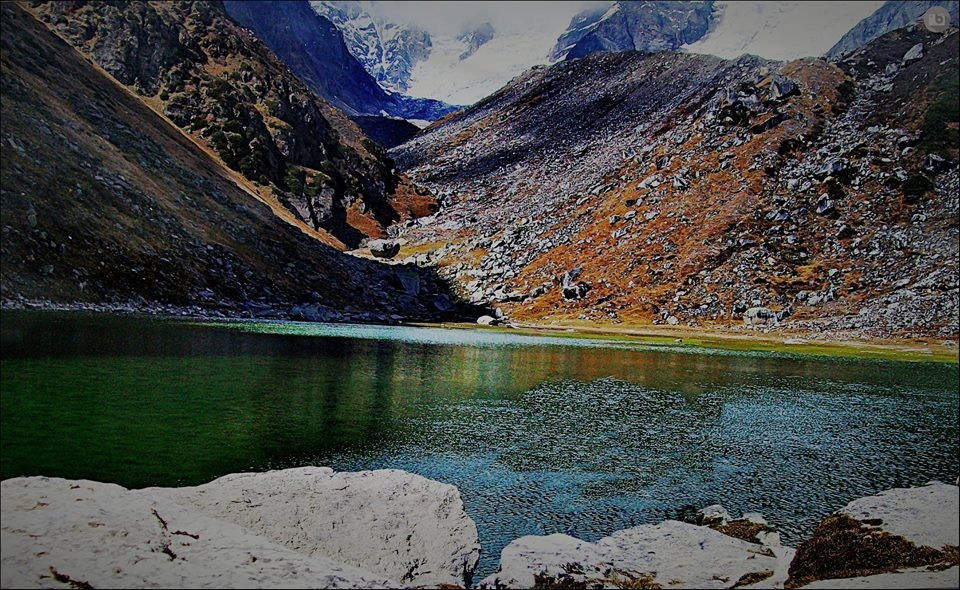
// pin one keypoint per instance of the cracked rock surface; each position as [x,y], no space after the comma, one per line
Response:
[305,527]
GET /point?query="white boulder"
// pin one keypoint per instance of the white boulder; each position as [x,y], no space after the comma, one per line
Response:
[384,248]
[406,527]
[713,514]
[872,538]
[305,527]
[905,580]
[82,534]
[927,516]
[672,554]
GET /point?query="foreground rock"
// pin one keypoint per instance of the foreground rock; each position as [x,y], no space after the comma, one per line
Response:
[671,554]
[918,578]
[900,538]
[404,526]
[307,527]
[871,538]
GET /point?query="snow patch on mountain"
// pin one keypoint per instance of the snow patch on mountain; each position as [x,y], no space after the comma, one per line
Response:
[454,52]
[779,30]
[447,77]
[388,50]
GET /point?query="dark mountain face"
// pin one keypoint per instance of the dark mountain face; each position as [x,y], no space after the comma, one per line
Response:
[627,26]
[889,17]
[680,188]
[105,202]
[315,50]
[216,81]
[386,131]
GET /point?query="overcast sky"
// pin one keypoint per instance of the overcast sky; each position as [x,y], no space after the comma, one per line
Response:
[450,17]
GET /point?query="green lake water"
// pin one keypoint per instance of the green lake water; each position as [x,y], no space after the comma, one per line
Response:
[540,435]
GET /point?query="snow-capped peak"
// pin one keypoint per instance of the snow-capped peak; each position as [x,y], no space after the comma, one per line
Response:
[388,50]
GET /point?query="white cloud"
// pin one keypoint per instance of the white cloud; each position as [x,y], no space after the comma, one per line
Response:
[780,30]
[447,17]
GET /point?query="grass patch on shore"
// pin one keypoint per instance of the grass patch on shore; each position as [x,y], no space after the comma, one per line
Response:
[905,351]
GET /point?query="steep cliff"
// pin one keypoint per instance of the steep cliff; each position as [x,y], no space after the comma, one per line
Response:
[219,83]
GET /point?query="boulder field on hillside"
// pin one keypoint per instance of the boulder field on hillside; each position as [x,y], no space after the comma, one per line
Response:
[313,527]
[688,190]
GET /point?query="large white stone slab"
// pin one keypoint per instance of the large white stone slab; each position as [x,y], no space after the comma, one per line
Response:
[672,554]
[305,527]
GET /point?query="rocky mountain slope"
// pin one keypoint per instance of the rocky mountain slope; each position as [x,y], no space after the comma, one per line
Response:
[627,26]
[695,190]
[104,202]
[315,50]
[890,16]
[216,81]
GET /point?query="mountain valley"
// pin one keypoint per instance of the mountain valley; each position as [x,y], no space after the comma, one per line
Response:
[686,190]
[479,294]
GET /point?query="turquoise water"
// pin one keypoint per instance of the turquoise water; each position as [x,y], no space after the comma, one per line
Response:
[540,435]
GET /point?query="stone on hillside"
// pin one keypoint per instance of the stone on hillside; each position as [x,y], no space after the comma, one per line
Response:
[568,277]
[781,87]
[575,291]
[486,320]
[756,316]
[669,554]
[825,205]
[914,53]
[898,529]
[934,164]
[384,248]
[832,167]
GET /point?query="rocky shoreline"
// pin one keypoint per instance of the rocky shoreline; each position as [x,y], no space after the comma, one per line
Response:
[279,311]
[715,335]
[313,527]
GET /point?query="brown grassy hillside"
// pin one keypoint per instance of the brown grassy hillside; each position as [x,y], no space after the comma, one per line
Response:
[672,188]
